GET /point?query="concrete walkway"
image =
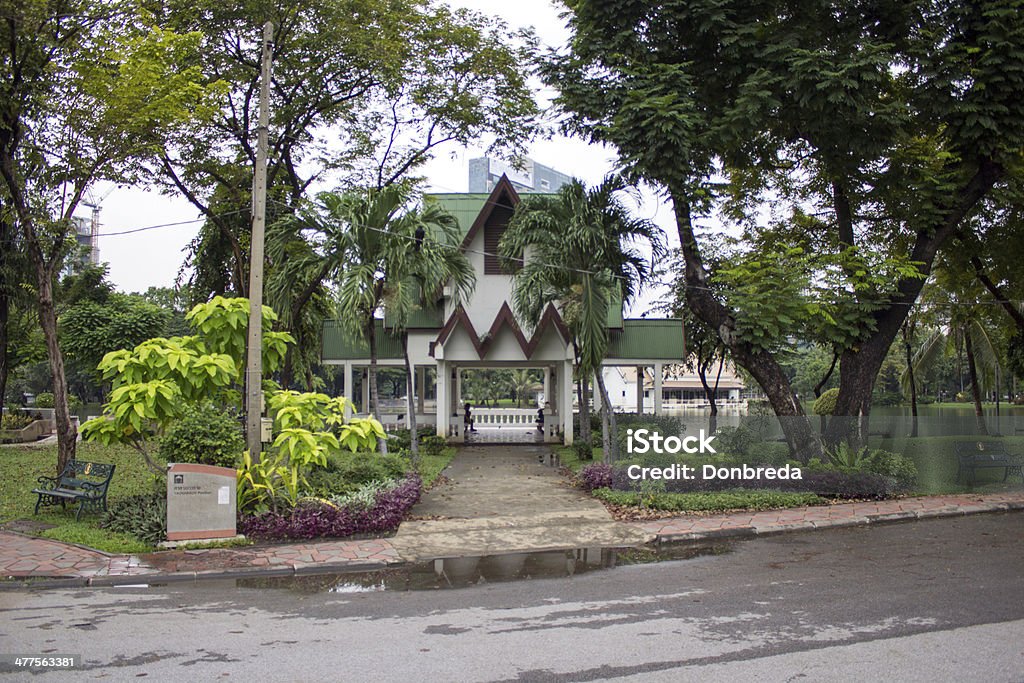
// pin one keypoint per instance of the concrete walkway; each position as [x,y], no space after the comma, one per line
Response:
[502,499]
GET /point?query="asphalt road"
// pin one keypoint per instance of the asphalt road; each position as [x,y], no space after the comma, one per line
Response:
[938,600]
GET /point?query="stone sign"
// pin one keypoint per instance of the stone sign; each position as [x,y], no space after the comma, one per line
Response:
[200,502]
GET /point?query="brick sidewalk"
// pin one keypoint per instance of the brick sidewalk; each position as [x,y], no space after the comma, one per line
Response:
[23,556]
[819,516]
[36,558]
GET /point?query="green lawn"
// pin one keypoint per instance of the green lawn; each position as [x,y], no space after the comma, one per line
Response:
[21,466]
[432,465]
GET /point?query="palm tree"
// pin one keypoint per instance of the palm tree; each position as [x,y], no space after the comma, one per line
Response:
[964,327]
[581,249]
[379,252]
[522,383]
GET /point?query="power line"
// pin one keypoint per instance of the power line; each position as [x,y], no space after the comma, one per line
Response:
[169,225]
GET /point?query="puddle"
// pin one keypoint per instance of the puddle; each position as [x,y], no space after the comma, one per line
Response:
[464,572]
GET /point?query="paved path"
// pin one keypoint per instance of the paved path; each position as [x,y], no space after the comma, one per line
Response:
[503,499]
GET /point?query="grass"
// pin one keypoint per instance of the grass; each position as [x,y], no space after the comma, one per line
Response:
[431,466]
[719,501]
[20,467]
[568,458]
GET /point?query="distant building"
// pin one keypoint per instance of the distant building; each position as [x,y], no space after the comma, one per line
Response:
[484,173]
[84,252]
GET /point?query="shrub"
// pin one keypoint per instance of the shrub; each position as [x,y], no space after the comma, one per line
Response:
[889,464]
[206,436]
[346,472]
[15,421]
[316,519]
[637,425]
[74,403]
[44,400]
[595,476]
[709,502]
[433,445]
[826,403]
[583,450]
[143,516]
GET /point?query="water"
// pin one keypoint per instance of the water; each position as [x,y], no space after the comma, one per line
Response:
[885,421]
[465,572]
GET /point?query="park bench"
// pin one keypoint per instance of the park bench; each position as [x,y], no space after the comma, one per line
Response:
[85,482]
[975,455]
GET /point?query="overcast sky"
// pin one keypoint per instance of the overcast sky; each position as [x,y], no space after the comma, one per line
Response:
[153,257]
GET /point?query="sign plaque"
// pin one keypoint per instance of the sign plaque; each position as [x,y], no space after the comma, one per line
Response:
[200,502]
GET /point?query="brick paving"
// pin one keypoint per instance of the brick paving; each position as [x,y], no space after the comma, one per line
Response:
[693,527]
[27,557]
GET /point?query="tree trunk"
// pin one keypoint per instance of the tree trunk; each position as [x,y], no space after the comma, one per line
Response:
[410,393]
[823,419]
[5,312]
[860,366]
[709,394]
[913,385]
[66,433]
[586,433]
[371,377]
[609,425]
[972,369]
[766,371]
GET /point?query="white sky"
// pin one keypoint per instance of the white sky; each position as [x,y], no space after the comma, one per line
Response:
[153,257]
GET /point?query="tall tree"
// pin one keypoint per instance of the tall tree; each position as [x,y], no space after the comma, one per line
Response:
[364,92]
[88,90]
[580,250]
[892,120]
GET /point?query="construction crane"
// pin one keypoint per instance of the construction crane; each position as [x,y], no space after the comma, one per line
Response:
[94,233]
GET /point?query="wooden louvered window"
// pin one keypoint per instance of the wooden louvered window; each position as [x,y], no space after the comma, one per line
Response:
[493,230]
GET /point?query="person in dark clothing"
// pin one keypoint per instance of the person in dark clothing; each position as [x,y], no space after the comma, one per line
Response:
[467,417]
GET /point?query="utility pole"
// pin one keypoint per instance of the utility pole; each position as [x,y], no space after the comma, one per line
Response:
[254,361]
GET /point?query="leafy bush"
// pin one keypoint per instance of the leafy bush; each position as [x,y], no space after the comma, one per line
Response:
[364,496]
[826,403]
[143,516]
[346,472]
[637,425]
[596,476]
[316,519]
[844,456]
[400,439]
[584,450]
[44,400]
[889,464]
[204,435]
[15,421]
[709,502]
[74,403]
[433,445]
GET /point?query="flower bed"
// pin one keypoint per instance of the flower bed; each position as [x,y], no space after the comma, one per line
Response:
[321,519]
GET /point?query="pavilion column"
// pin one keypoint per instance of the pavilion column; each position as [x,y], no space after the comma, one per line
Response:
[547,386]
[365,407]
[458,389]
[639,390]
[350,393]
[566,401]
[421,391]
[443,399]
[657,388]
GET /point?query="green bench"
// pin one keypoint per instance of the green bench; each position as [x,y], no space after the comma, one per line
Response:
[975,455]
[82,482]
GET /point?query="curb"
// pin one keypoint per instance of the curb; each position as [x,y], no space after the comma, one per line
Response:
[884,518]
[30,583]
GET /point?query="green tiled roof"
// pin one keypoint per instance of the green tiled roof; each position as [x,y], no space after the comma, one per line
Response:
[654,339]
[464,206]
[339,345]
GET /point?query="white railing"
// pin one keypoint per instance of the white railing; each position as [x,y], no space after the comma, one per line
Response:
[504,417]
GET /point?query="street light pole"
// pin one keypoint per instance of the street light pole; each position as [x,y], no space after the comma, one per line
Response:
[254,360]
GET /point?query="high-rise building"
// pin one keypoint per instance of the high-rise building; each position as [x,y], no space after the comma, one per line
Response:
[84,251]
[484,173]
